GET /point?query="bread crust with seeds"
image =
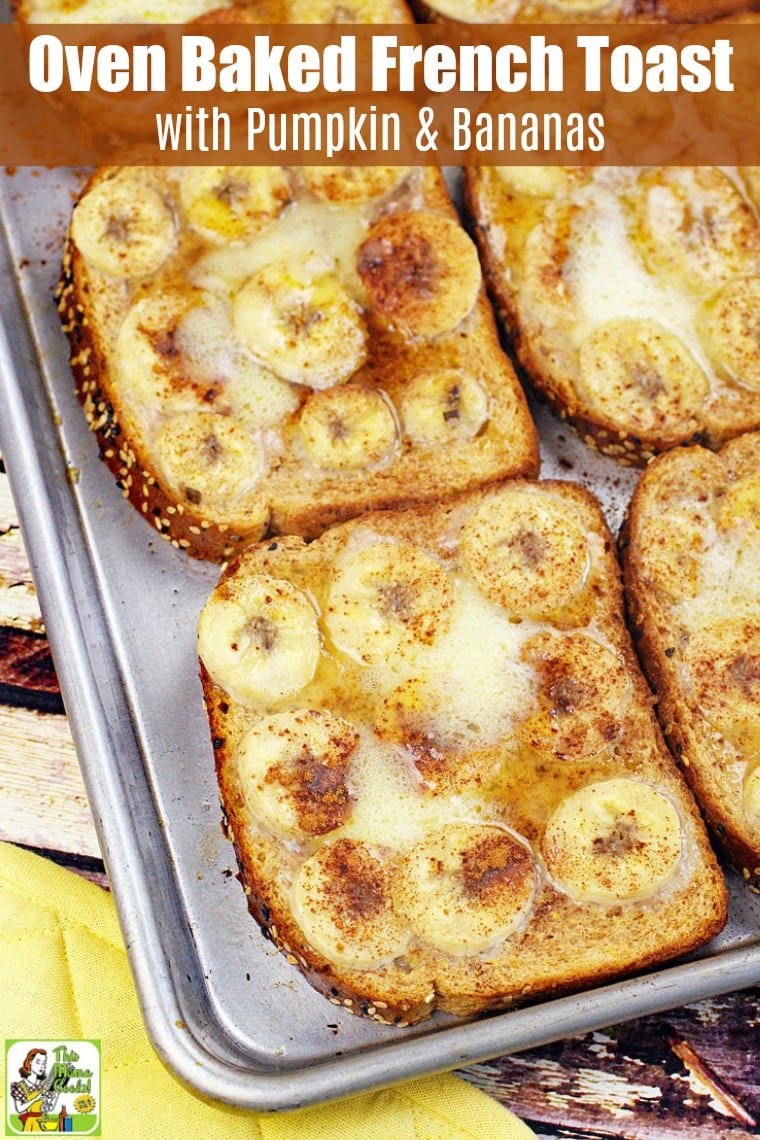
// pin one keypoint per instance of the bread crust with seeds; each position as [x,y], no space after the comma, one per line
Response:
[620,291]
[437,667]
[690,550]
[390,401]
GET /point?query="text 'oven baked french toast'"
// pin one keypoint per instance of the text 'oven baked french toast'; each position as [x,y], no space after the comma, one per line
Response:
[262,349]
[691,556]
[438,760]
[630,296]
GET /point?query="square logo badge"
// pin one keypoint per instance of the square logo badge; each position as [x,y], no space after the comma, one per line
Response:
[52,1086]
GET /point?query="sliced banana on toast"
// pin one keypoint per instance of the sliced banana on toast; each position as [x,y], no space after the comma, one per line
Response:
[629,297]
[342,902]
[333,316]
[526,552]
[575,11]
[582,692]
[439,764]
[700,632]
[388,600]
[210,461]
[294,771]
[420,271]
[232,203]
[445,404]
[348,426]
[124,227]
[722,674]
[305,327]
[466,887]
[259,639]
[613,841]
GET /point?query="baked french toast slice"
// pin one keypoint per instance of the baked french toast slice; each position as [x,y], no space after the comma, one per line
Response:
[629,296]
[691,555]
[438,761]
[211,11]
[577,11]
[262,349]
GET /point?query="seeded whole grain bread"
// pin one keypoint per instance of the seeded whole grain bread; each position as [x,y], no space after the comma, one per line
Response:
[438,761]
[691,556]
[629,296]
[261,349]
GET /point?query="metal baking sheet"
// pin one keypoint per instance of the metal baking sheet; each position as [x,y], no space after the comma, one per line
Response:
[224,1010]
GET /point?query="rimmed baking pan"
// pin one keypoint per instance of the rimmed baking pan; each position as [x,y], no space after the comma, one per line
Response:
[225,1011]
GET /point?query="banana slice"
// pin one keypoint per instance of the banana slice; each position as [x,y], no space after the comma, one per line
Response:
[447,404]
[342,902]
[741,503]
[175,352]
[346,427]
[123,228]
[751,797]
[613,841]
[673,544]
[292,768]
[636,373]
[525,552]
[415,717]
[259,640]
[477,11]
[579,5]
[388,600]
[308,331]
[232,203]
[467,887]
[408,716]
[421,272]
[352,184]
[583,689]
[732,330]
[722,663]
[546,291]
[693,223]
[153,365]
[344,12]
[211,462]
[538,181]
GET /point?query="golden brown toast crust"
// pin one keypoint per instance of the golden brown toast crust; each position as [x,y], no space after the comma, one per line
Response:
[299,494]
[577,267]
[513,780]
[681,546]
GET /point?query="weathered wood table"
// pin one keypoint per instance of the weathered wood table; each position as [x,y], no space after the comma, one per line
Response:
[694,1071]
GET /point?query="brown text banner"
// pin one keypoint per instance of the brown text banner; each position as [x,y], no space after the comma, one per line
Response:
[637,94]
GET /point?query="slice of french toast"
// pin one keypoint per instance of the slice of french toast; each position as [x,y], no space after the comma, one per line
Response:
[577,11]
[629,295]
[211,11]
[438,761]
[262,349]
[691,555]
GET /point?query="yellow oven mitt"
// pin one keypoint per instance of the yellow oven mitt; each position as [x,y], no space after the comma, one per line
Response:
[65,976]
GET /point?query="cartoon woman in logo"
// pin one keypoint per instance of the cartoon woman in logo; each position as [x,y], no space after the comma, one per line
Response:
[32,1095]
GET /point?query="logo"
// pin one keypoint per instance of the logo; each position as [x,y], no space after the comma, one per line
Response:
[52,1086]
